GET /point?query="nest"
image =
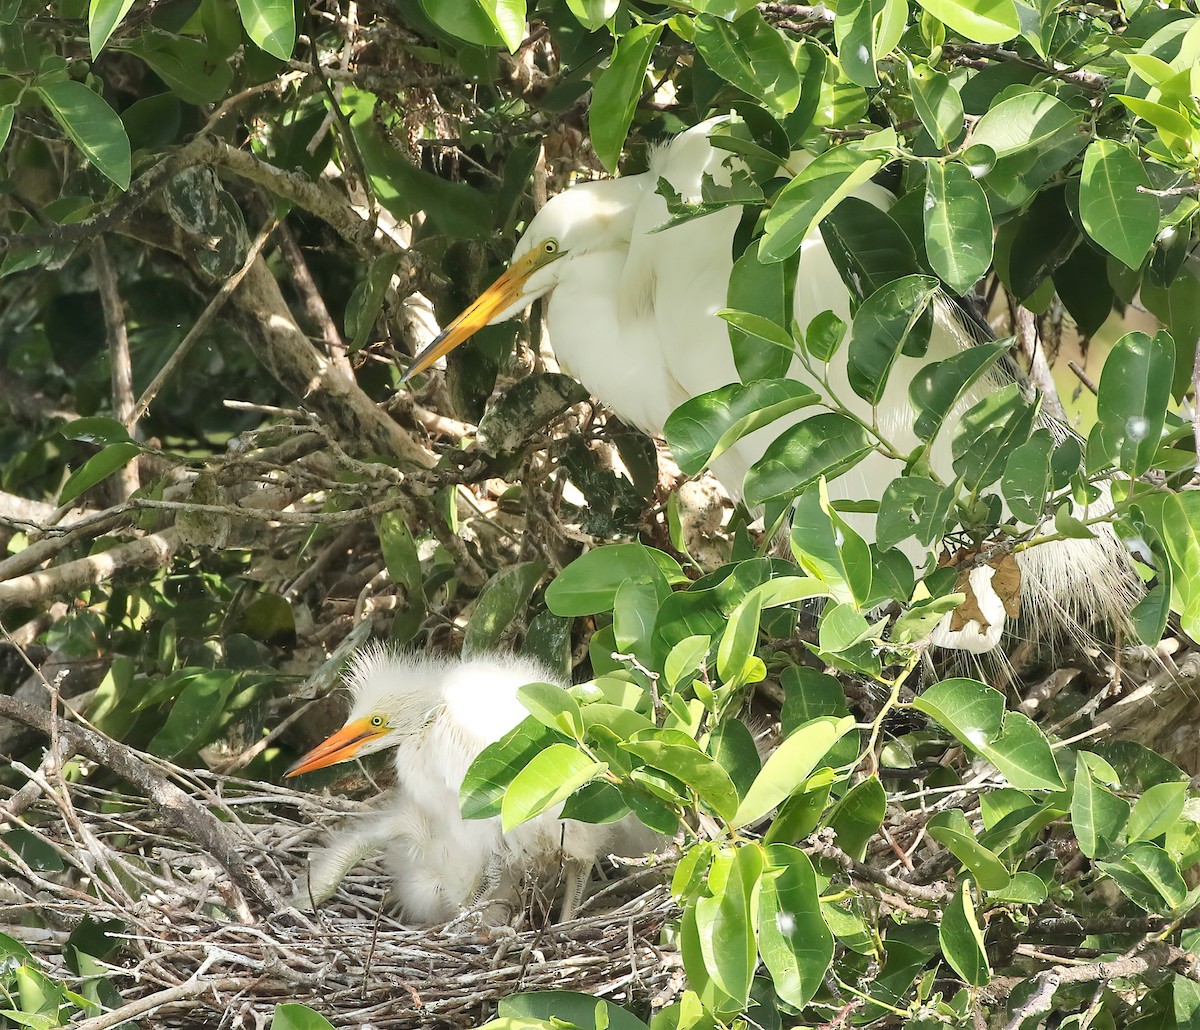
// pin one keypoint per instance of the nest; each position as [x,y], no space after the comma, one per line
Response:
[192,927]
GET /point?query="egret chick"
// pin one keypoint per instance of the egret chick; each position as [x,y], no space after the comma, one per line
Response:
[439,714]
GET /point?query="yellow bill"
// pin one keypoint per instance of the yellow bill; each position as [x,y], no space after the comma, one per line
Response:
[340,747]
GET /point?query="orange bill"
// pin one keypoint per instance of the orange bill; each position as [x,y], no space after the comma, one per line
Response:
[340,747]
[501,295]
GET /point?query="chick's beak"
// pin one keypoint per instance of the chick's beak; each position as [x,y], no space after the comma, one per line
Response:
[503,293]
[340,747]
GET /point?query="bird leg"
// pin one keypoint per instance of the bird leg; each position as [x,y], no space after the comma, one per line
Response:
[327,868]
[576,872]
[489,880]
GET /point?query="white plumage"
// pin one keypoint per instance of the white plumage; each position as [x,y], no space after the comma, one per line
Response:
[439,714]
[632,315]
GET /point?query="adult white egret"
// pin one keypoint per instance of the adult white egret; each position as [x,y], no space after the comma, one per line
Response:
[632,314]
[439,714]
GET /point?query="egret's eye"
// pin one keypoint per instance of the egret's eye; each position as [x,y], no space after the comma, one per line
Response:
[550,246]
[377,720]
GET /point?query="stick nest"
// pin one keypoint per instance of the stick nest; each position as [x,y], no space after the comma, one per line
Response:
[187,934]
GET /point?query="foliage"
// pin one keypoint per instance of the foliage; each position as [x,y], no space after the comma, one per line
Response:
[1045,158]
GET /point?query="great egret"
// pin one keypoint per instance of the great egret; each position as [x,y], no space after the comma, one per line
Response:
[632,314]
[439,714]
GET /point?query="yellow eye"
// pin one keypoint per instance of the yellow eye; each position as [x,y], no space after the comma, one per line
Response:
[550,246]
[376,720]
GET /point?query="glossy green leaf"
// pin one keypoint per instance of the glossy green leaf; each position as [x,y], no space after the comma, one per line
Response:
[739,639]
[795,944]
[552,706]
[1131,405]
[988,432]
[828,549]
[823,445]
[751,55]
[913,506]
[591,14]
[952,829]
[97,468]
[937,102]
[493,769]
[869,249]
[789,765]
[693,767]
[1156,811]
[936,389]
[271,24]
[585,1011]
[103,18]
[509,18]
[1122,220]
[883,328]
[705,427]
[503,598]
[733,748]
[983,21]
[854,31]
[93,126]
[975,714]
[1148,876]
[962,940]
[1024,889]
[617,91]
[553,776]
[812,194]
[725,922]
[1026,481]
[298,1017]
[858,816]
[958,225]
[196,713]
[589,584]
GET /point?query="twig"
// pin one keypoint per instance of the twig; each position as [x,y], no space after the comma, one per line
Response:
[127,479]
[179,809]
[171,996]
[1083,377]
[314,303]
[203,322]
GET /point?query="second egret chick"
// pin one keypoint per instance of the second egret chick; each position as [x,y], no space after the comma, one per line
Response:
[439,714]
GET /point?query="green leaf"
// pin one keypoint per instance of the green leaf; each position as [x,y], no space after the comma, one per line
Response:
[271,24]
[725,921]
[509,18]
[684,659]
[581,1010]
[763,289]
[988,432]
[692,766]
[812,194]
[92,125]
[592,14]
[823,445]
[553,776]
[1156,811]
[739,639]
[95,429]
[855,35]
[103,18]
[552,706]
[589,584]
[795,944]
[952,829]
[733,749]
[705,427]
[184,64]
[97,468]
[828,549]
[883,327]
[1097,815]
[298,1017]
[962,940]
[869,249]
[617,91]
[1025,889]
[493,769]
[983,21]
[937,102]
[751,55]
[501,600]
[1122,220]
[1131,404]
[858,816]
[939,385]
[196,713]
[958,225]
[1026,480]
[975,714]
[1148,876]
[1032,135]
[789,765]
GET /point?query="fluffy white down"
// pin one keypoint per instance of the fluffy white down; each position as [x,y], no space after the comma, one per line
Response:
[446,711]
